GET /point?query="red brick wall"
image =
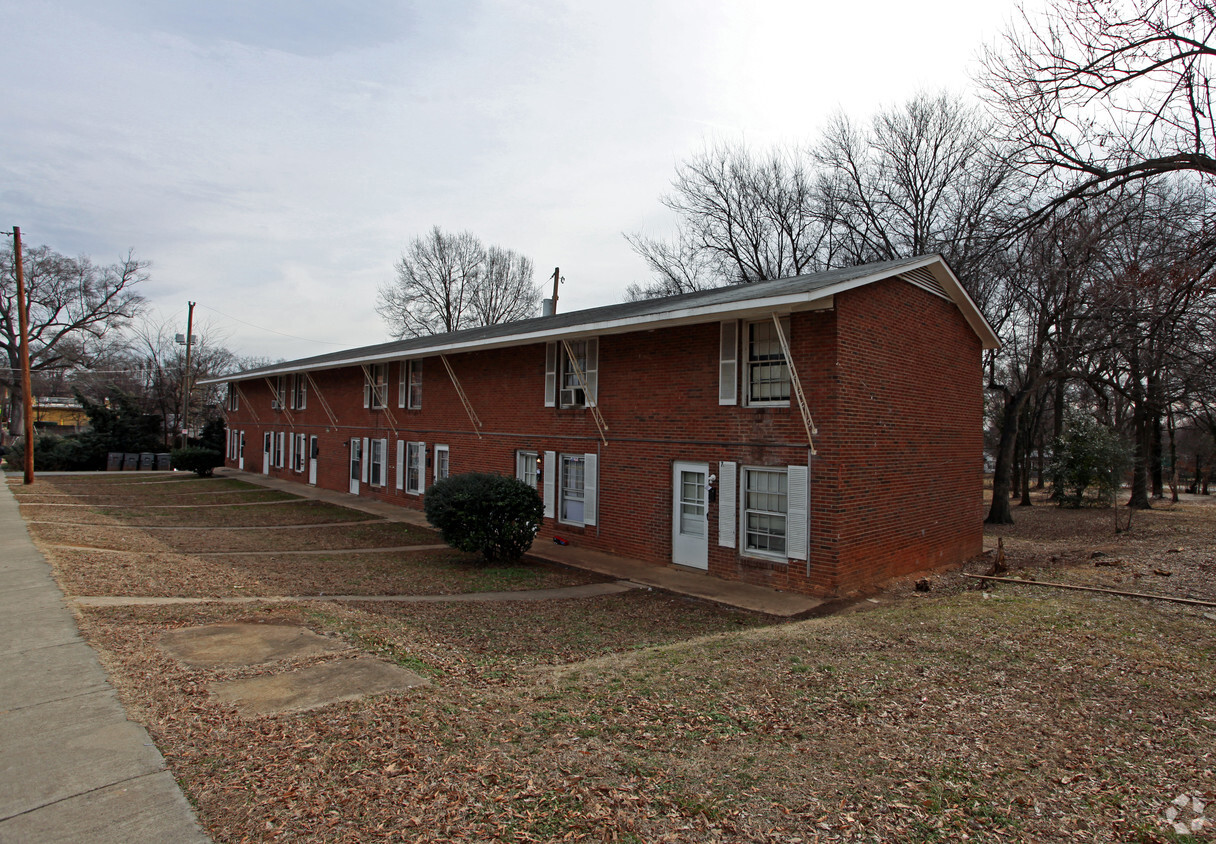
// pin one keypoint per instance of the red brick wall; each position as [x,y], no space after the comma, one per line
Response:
[910,425]
[658,393]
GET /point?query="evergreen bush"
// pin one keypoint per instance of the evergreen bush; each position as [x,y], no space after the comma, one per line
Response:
[200,461]
[494,515]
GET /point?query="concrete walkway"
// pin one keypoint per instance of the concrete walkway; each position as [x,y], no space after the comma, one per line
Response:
[72,767]
[670,579]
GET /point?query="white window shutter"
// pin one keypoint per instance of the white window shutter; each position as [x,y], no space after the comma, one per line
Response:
[593,369]
[303,390]
[550,375]
[400,464]
[728,363]
[367,390]
[796,527]
[384,462]
[365,459]
[403,385]
[550,483]
[727,495]
[590,489]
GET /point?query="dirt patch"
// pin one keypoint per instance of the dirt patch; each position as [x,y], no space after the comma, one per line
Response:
[227,645]
[315,686]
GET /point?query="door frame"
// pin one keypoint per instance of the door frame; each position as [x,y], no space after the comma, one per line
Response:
[267,450]
[312,459]
[686,549]
[356,464]
[240,449]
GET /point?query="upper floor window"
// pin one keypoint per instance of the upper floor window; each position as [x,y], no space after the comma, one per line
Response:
[280,393]
[299,391]
[564,363]
[375,386]
[234,398]
[767,375]
[409,391]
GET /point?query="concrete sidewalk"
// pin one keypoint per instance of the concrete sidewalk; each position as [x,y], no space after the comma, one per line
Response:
[72,767]
[670,579]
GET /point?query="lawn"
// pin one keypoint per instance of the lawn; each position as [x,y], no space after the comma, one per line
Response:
[971,712]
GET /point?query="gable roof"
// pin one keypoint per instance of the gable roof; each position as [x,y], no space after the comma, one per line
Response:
[739,300]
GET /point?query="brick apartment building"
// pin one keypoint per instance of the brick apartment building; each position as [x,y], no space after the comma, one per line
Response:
[675,430]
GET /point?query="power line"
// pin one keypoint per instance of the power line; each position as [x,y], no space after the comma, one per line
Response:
[271,330]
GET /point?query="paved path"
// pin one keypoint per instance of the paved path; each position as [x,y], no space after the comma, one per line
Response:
[590,590]
[72,767]
[679,581]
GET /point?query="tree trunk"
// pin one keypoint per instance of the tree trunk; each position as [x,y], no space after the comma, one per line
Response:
[1155,463]
[1140,428]
[1169,425]
[1000,512]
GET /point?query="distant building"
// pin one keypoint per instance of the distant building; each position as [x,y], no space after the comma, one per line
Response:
[59,415]
[675,430]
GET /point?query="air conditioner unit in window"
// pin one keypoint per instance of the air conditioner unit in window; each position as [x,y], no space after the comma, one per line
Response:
[275,404]
[572,397]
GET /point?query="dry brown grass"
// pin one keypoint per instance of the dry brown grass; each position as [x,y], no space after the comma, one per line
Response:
[1005,713]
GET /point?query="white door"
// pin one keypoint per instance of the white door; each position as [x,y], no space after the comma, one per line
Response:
[689,519]
[266,453]
[312,460]
[240,450]
[356,464]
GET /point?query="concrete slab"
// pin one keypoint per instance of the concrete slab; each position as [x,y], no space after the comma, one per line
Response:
[42,675]
[72,767]
[137,811]
[223,645]
[317,685]
[69,747]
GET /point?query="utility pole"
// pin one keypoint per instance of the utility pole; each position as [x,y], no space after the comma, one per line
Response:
[23,323]
[186,380]
[557,279]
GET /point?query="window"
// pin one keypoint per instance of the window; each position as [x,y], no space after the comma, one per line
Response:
[441,462]
[415,467]
[300,452]
[376,459]
[280,393]
[299,391]
[768,374]
[234,398]
[562,385]
[765,507]
[375,386]
[573,478]
[278,449]
[409,391]
[527,468]
[231,445]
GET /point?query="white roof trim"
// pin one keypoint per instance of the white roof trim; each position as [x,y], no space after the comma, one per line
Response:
[817,299]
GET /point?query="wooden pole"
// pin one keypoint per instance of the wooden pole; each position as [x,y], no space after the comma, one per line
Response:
[557,279]
[1193,601]
[23,323]
[186,379]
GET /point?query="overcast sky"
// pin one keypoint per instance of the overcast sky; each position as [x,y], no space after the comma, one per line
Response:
[272,158]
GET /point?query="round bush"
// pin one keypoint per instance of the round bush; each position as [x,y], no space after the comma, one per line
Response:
[491,514]
[200,461]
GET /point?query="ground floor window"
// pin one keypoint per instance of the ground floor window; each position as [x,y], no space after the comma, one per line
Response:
[415,467]
[278,449]
[527,468]
[300,452]
[572,490]
[376,459]
[765,507]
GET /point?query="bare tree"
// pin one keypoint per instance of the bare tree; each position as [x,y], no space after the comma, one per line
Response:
[1098,94]
[75,309]
[446,282]
[924,177]
[160,363]
[743,217]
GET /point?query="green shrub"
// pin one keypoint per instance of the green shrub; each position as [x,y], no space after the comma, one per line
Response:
[200,461]
[491,514]
[1088,454]
[53,453]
